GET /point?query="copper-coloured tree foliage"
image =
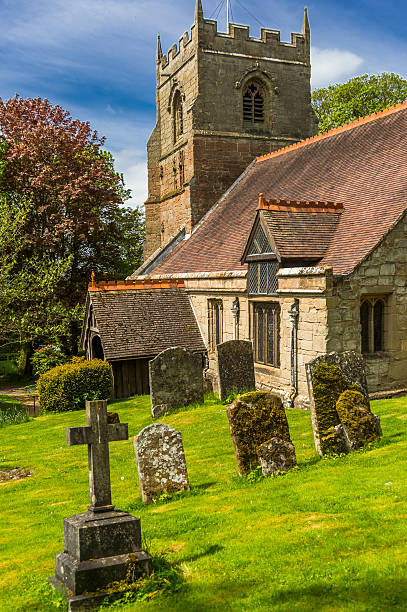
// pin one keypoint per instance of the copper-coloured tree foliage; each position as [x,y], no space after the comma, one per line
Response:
[57,164]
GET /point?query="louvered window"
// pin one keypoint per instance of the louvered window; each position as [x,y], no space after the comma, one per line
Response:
[253,104]
[266,333]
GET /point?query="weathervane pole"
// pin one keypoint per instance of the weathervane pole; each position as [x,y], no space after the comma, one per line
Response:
[227,15]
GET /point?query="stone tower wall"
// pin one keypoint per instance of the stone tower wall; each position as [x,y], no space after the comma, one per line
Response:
[209,71]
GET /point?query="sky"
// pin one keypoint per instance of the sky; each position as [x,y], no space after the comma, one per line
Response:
[96,58]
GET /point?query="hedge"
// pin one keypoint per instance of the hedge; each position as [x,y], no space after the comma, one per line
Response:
[68,386]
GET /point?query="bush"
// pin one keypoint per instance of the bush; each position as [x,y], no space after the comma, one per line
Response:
[46,358]
[68,386]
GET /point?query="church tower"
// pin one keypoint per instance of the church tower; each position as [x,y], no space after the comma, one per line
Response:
[222,100]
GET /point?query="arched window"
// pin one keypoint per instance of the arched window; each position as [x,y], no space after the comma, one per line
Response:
[253,103]
[97,348]
[372,325]
[178,116]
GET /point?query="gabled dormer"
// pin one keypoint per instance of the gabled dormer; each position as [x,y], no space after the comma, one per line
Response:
[262,257]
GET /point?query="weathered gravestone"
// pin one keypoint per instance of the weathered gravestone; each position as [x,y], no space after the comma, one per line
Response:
[161,462]
[276,455]
[104,544]
[235,367]
[361,425]
[176,380]
[254,419]
[328,377]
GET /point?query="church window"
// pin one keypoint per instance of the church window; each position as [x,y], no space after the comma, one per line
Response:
[178,117]
[266,333]
[215,323]
[372,325]
[262,278]
[263,266]
[253,104]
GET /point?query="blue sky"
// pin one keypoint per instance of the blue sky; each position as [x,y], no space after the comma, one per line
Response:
[96,58]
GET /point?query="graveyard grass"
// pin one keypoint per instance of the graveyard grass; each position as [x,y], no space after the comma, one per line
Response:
[330,535]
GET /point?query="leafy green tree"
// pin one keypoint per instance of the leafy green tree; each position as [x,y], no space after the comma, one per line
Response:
[60,189]
[361,96]
[30,309]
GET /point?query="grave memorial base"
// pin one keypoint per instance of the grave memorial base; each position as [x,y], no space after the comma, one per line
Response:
[98,550]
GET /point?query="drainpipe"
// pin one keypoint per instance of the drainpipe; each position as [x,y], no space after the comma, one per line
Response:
[236,313]
[293,315]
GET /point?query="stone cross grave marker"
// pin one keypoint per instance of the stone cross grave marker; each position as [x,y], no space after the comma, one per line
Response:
[97,435]
[235,367]
[103,544]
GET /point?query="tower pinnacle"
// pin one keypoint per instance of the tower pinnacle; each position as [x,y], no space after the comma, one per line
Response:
[159,49]
[305,27]
[198,11]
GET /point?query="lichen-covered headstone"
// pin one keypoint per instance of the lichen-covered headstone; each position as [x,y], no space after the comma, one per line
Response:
[176,380]
[362,426]
[276,455]
[328,377]
[255,418]
[161,462]
[235,367]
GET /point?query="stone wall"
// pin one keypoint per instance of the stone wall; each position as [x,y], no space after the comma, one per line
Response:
[310,286]
[209,71]
[383,273]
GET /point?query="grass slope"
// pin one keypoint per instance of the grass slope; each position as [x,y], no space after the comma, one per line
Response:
[331,535]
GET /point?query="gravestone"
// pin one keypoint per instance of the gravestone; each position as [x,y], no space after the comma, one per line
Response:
[255,418]
[275,456]
[328,377]
[103,544]
[161,462]
[361,425]
[235,367]
[176,380]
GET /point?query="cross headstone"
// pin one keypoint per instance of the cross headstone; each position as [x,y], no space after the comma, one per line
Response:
[97,435]
[102,545]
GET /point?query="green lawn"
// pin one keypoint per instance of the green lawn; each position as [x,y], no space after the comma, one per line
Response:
[331,535]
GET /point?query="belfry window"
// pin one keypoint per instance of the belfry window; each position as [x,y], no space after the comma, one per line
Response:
[372,325]
[178,117]
[253,104]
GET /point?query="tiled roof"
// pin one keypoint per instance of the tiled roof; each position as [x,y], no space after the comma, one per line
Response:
[143,322]
[363,165]
[301,230]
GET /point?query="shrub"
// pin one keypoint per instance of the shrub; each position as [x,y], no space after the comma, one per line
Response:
[46,358]
[68,386]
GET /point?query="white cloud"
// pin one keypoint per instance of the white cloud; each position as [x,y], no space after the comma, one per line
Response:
[133,165]
[330,65]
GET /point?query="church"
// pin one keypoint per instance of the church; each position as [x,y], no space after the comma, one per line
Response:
[256,227]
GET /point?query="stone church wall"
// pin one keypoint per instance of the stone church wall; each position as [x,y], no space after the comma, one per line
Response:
[309,286]
[383,273]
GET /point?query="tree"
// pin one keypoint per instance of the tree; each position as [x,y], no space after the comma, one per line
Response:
[361,96]
[29,307]
[61,187]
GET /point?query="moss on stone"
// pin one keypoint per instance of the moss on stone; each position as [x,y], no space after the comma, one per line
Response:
[255,418]
[354,412]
